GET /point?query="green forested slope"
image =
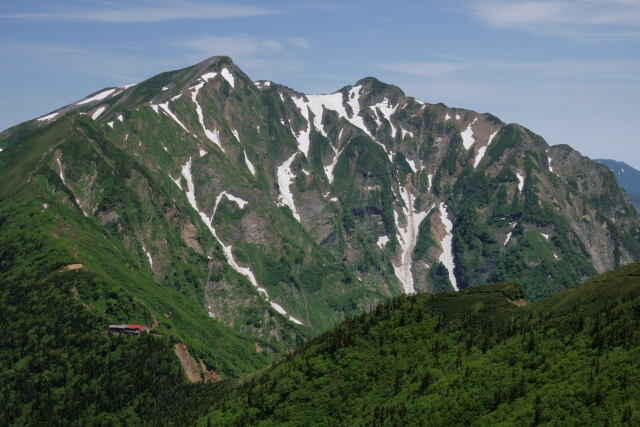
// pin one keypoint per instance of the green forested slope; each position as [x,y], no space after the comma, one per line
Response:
[473,358]
[57,362]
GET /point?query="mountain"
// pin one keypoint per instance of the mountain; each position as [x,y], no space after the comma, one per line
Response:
[282,213]
[478,357]
[627,177]
[240,219]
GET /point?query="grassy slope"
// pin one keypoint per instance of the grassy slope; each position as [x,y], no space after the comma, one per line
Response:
[470,358]
[57,360]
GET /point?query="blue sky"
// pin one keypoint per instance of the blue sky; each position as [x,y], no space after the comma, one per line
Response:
[568,70]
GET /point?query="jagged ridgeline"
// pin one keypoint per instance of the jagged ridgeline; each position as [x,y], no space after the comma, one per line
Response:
[279,214]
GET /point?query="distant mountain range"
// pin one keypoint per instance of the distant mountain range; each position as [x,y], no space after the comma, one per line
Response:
[628,178]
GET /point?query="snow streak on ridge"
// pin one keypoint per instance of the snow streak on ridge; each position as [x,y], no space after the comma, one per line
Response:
[226,249]
[446,258]
[407,237]
[214,135]
[285,179]
[98,97]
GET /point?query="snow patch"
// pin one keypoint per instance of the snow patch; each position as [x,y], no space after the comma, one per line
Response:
[430,181]
[97,113]
[228,76]
[549,163]
[235,133]
[249,164]
[99,97]
[335,102]
[262,84]
[47,117]
[447,117]
[479,156]
[446,258]
[214,135]
[493,135]
[412,164]
[165,88]
[508,237]
[237,200]
[202,153]
[60,171]
[165,108]
[382,241]
[303,135]
[148,256]
[208,76]
[277,307]
[520,181]
[354,102]
[467,136]
[457,116]
[407,237]
[328,170]
[387,110]
[110,124]
[406,132]
[483,150]
[120,118]
[285,179]
[546,236]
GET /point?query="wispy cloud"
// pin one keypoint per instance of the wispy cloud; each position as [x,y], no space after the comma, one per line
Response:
[300,42]
[261,57]
[242,45]
[591,69]
[607,19]
[113,67]
[146,11]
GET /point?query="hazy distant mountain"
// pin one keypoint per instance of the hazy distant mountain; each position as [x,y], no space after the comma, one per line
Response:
[627,176]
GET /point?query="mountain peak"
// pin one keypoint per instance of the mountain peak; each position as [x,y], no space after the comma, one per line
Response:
[215,61]
[378,87]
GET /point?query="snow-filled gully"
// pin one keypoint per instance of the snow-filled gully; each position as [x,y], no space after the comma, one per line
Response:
[334,102]
[214,135]
[285,179]
[446,258]
[227,249]
[61,175]
[407,237]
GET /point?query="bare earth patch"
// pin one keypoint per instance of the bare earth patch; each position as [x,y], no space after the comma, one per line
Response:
[72,267]
[188,363]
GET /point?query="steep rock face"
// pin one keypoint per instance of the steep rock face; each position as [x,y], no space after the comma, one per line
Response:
[282,213]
